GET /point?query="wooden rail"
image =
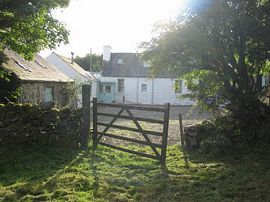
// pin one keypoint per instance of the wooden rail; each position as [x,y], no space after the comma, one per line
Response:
[97,135]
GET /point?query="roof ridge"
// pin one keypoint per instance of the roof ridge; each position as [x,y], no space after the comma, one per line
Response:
[61,56]
[75,66]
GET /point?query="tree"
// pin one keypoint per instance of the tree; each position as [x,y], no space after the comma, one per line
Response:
[84,62]
[9,88]
[27,27]
[226,46]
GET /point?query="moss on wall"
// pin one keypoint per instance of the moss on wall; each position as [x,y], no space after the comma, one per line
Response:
[27,123]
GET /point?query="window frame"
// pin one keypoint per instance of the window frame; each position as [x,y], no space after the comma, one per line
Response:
[146,65]
[110,87]
[120,61]
[121,88]
[144,88]
[45,97]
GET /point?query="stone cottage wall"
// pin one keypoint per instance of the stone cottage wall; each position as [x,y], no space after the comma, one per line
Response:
[27,124]
[32,92]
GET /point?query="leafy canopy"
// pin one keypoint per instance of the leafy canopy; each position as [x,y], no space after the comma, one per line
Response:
[222,47]
[27,26]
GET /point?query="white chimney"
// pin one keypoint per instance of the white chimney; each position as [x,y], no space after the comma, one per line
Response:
[107,53]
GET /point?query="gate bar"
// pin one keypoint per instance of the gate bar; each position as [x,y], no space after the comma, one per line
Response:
[130,151]
[131,129]
[128,139]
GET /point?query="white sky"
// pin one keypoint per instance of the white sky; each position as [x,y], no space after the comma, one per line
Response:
[122,24]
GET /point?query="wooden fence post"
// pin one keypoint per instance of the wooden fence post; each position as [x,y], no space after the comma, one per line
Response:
[183,140]
[181,130]
[95,122]
[165,134]
[86,93]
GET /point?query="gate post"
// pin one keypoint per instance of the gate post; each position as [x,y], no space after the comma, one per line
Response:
[86,93]
[165,133]
[182,138]
[95,122]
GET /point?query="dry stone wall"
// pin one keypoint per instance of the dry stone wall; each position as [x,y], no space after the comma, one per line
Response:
[27,124]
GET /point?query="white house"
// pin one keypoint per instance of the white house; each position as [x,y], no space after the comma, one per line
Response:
[125,78]
[73,71]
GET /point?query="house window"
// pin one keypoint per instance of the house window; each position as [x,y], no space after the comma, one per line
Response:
[146,64]
[120,61]
[144,88]
[120,84]
[178,86]
[48,94]
[108,89]
[101,88]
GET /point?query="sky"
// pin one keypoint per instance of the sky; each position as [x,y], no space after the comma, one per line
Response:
[121,24]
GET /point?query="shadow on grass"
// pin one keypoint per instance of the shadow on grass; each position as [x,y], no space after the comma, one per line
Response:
[25,169]
[93,160]
[235,176]
[104,174]
[123,177]
[117,175]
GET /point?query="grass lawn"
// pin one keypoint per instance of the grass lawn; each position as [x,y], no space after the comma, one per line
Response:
[53,174]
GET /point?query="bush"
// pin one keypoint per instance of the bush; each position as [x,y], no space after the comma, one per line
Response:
[226,134]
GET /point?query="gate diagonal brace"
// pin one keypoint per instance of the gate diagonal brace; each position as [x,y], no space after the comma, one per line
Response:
[110,124]
[143,132]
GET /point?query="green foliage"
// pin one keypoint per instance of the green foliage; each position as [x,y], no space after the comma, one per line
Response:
[225,135]
[72,90]
[266,68]
[204,86]
[84,62]
[28,27]
[227,42]
[10,90]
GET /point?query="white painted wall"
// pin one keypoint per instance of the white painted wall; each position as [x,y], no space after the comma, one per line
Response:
[159,91]
[73,74]
[65,68]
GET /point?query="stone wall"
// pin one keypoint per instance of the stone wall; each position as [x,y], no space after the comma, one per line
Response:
[29,124]
[33,92]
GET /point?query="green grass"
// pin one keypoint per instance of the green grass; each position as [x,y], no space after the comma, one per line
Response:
[57,174]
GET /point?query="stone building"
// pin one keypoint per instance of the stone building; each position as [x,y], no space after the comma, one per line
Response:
[39,81]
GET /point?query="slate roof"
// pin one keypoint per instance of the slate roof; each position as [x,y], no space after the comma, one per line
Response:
[132,66]
[36,70]
[76,67]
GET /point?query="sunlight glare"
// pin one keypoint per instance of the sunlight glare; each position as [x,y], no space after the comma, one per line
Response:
[122,24]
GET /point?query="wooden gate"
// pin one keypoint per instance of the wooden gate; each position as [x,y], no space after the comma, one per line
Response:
[97,134]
